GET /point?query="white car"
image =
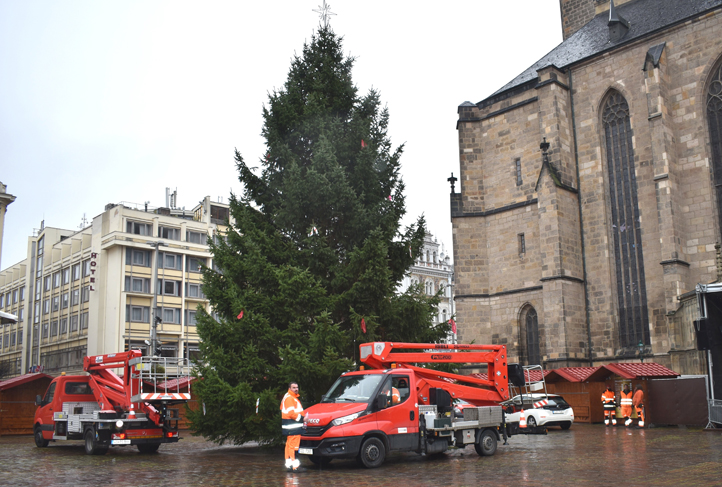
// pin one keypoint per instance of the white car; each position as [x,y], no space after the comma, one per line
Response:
[540,410]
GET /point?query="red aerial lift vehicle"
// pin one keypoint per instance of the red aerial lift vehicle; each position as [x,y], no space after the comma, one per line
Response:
[397,406]
[105,409]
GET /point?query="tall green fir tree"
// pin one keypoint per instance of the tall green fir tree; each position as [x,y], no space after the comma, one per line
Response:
[314,255]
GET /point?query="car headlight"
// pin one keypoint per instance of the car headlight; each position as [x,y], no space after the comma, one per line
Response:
[345,419]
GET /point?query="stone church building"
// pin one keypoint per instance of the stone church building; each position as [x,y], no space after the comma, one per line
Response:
[591,190]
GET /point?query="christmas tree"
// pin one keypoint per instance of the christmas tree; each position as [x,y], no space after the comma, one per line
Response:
[311,266]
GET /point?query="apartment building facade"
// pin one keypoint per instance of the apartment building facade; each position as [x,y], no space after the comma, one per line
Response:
[99,289]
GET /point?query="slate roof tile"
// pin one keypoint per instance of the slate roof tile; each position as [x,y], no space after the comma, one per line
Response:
[644,17]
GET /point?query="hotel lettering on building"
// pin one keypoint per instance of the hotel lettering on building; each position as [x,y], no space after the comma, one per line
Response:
[92,291]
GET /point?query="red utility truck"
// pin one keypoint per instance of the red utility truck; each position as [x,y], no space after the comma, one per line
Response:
[105,409]
[403,407]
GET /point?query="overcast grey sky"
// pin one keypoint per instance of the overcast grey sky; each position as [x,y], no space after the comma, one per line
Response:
[109,101]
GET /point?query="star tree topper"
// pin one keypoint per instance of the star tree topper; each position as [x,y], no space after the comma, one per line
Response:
[324,12]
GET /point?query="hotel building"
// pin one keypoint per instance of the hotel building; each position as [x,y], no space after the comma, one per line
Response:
[98,290]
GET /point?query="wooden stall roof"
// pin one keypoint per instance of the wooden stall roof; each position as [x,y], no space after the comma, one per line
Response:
[649,370]
[21,379]
[177,383]
[531,375]
[571,374]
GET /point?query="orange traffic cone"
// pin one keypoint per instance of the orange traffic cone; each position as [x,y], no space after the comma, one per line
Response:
[131,414]
[522,419]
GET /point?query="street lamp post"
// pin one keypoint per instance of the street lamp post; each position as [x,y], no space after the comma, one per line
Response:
[156,319]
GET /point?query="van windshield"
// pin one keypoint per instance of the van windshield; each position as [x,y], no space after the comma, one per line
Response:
[353,388]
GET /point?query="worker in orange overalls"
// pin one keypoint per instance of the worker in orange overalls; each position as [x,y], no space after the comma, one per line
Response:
[610,408]
[626,403]
[638,401]
[292,424]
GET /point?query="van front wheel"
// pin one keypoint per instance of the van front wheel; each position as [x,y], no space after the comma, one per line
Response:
[373,453]
[40,442]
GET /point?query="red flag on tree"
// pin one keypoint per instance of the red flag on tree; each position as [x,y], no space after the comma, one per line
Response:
[363,144]
[453,326]
[240,315]
[363,325]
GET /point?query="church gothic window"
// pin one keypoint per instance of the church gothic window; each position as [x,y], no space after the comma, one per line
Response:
[714,122]
[530,336]
[626,226]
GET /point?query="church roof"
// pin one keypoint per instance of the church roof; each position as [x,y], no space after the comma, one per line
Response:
[644,17]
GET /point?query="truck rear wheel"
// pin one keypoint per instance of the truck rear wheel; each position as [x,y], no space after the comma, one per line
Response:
[486,446]
[148,447]
[373,453]
[91,445]
[40,442]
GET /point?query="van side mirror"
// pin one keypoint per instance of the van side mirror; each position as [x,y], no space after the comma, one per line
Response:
[382,401]
[38,400]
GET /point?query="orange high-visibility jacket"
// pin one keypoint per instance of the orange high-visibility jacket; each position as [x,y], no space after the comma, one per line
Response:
[608,399]
[626,403]
[638,398]
[291,407]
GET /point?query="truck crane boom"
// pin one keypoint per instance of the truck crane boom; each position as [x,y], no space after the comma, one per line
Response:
[480,392]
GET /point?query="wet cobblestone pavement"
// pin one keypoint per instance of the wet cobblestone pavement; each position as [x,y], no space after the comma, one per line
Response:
[586,455]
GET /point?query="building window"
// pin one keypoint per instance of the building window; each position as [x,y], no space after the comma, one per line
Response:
[169,233]
[137,314]
[171,261]
[73,323]
[522,243]
[168,287]
[56,279]
[84,321]
[517,164]
[20,336]
[626,228]
[2,300]
[12,339]
[47,283]
[66,276]
[714,123]
[64,300]
[21,314]
[63,326]
[85,294]
[219,215]
[530,337]
[194,291]
[75,297]
[36,318]
[22,293]
[194,264]
[190,317]
[171,315]
[137,257]
[56,303]
[46,306]
[45,331]
[86,268]
[137,284]
[196,237]
[76,272]
[138,228]
[38,288]
[54,329]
